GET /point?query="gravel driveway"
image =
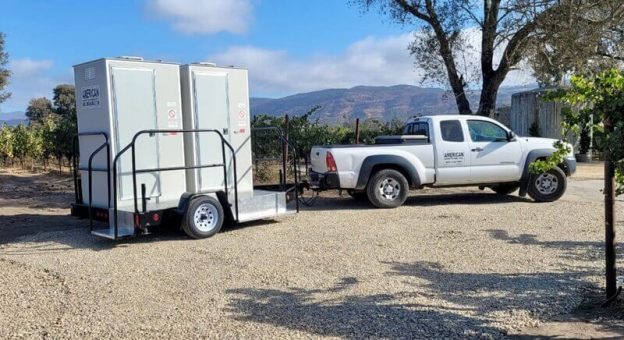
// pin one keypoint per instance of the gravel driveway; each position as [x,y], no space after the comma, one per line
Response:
[444,265]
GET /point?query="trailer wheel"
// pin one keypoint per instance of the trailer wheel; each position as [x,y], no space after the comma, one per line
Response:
[203,218]
[387,189]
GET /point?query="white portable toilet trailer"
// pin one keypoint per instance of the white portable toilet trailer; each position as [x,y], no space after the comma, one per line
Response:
[160,143]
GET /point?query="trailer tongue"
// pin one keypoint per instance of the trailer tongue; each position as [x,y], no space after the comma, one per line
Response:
[160,148]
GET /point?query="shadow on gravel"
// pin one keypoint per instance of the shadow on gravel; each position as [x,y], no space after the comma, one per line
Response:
[574,250]
[488,292]
[351,316]
[423,200]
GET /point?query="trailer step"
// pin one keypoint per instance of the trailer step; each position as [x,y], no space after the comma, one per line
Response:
[109,233]
[262,204]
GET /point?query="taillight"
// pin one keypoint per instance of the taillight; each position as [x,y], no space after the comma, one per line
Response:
[330,162]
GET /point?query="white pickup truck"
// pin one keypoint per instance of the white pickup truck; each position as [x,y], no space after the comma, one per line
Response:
[440,151]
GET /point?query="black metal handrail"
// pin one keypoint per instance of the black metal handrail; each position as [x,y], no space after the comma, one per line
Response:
[295,153]
[78,191]
[90,169]
[224,144]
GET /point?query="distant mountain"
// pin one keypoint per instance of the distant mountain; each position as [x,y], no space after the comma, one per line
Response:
[379,102]
[13,118]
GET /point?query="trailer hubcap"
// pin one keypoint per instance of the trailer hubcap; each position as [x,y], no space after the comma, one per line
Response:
[206,217]
[389,189]
[546,183]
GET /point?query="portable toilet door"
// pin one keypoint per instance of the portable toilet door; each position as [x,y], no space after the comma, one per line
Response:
[135,108]
[211,97]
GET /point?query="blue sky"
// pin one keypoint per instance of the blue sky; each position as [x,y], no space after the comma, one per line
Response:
[288,46]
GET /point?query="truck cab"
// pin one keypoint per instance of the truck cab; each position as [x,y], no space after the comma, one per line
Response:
[440,151]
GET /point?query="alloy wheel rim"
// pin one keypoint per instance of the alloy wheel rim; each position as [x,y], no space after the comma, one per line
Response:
[389,189]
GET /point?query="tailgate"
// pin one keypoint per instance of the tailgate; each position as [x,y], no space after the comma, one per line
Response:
[317,159]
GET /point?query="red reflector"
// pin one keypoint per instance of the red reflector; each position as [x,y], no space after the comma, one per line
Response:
[330,162]
[155,218]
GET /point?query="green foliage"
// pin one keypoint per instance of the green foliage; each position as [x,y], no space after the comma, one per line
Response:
[306,132]
[4,72]
[603,97]
[6,142]
[20,141]
[65,100]
[50,132]
[38,108]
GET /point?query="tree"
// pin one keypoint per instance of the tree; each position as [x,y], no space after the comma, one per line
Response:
[4,72]
[67,125]
[20,143]
[510,31]
[603,97]
[38,108]
[6,143]
[65,100]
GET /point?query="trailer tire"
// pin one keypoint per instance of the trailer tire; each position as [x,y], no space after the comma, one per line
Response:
[387,189]
[203,218]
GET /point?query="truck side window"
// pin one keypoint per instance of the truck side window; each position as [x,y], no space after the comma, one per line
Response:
[451,131]
[482,131]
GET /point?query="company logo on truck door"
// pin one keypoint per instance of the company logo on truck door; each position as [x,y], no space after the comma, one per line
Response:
[90,96]
[451,158]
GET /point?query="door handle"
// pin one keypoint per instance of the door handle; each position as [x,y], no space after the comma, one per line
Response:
[477,149]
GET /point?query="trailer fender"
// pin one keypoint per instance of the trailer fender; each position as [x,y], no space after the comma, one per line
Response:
[407,168]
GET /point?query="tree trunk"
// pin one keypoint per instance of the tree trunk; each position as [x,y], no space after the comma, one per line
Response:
[609,200]
[489,93]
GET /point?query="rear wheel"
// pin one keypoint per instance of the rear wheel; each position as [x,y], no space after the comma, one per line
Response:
[387,189]
[548,186]
[505,188]
[204,217]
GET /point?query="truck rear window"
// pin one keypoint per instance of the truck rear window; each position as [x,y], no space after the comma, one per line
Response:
[451,131]
[418,128]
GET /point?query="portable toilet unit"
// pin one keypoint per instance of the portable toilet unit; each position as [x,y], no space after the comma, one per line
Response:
[217,98]
[115,99]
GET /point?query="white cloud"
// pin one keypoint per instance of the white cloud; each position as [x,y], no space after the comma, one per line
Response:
[29,79]
[204,16]
[22,68]
[370,61]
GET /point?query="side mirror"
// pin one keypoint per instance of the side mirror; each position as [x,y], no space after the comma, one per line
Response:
[511,136]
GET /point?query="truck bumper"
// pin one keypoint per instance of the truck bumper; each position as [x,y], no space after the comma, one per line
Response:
[570,164]
[324,181]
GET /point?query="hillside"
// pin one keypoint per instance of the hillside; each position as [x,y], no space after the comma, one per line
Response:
[380,102]
[13,118]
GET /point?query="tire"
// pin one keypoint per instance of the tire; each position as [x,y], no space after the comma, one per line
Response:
[359,196]
[387,189]
[548,186]
[505,188]
[203,218]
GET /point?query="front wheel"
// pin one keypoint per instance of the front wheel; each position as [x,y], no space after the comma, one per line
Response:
[387,189]
[548,186]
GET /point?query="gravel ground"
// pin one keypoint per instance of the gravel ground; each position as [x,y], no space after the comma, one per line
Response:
[443,265]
